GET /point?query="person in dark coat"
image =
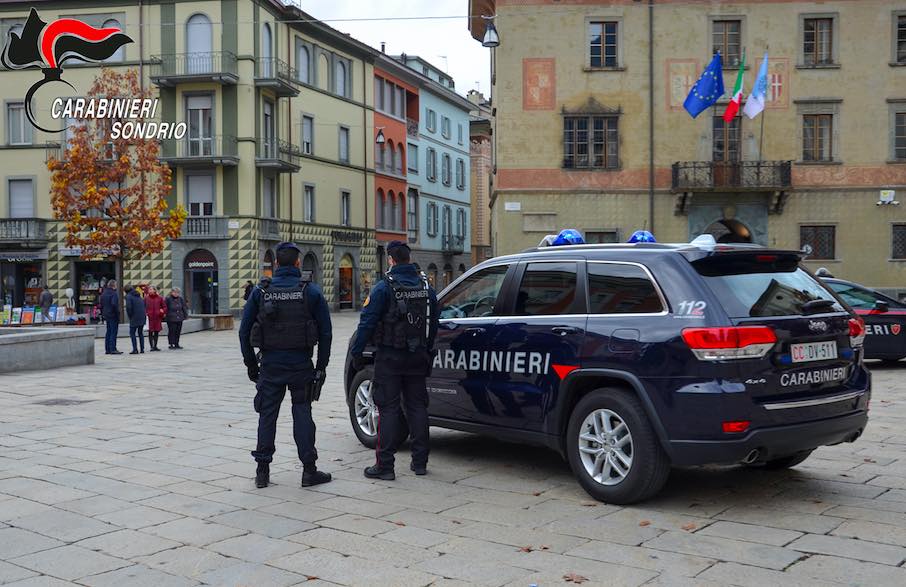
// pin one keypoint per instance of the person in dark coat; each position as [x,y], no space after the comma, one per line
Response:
[45,301]
[155,309]
[110,312]
[177,312]
[135,310]
[248,290]
[403,358]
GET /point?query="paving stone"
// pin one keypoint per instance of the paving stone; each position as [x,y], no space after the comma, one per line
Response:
[360,546]
[136,576]
[10,573]
[267,524]
[452,566]
[41,581]
[750,533]
[643,558]
[188,506]
[40,491]
[194,532]
[849,572]
[187,561]
[128,544]
[256,548]
[358,524]
[656,519]
[749,576]
[426,520]
[17,542]
[850,548]
[725,549]
[252,575]
[364,508]
[414,536]
[334,567]
[607,531]
[138,516]
[781,519]
[873,532]
[519,537]
[63,525]
[300,511]
[69,562]
[94,506]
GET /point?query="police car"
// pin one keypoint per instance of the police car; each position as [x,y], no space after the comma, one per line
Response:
[885,318]
[627,359]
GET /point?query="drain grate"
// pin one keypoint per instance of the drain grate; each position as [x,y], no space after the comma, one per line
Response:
[62,401]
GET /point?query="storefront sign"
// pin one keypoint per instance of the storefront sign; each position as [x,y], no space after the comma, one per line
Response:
[201,265]
[201,259]
[77,251]
[346,236]
[23,256]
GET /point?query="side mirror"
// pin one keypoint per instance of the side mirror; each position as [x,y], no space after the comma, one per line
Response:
[881,306]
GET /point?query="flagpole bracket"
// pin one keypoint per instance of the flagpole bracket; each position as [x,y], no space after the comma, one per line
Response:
[682,204]
[778,201]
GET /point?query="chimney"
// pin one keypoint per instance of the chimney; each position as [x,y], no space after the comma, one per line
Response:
[383,47]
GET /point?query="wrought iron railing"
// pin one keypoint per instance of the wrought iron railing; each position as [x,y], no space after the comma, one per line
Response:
[194,65]
[23,230]
[412,128]
[200,148]
[453,244]
[742,175]
[271,68]
[277,151]
[206,227]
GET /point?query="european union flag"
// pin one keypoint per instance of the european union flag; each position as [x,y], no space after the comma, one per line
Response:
[708,88]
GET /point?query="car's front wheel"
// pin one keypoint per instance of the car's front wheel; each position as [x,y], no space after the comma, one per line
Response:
[363,414]
[613,451]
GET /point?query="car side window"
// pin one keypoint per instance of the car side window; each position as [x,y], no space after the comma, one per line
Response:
[475,296]
[615,288]
[547,289]
[855,297]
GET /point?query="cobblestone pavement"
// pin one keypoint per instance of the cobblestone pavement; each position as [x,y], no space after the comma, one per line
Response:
[144,478]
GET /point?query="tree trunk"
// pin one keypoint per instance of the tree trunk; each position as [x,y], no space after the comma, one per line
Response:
[120,265]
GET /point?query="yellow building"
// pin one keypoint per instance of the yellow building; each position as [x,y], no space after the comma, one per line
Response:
[590,130]
[279,147]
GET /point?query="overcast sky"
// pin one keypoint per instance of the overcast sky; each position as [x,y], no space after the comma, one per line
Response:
[444,42]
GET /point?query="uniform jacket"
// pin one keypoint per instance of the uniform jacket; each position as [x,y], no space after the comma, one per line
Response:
[135,309]
[177,310]
[110,305]
[377,303]
[155,309]
[317,305]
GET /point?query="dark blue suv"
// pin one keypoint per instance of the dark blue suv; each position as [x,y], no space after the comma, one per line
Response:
[628,359]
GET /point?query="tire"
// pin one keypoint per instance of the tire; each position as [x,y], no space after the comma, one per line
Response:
[787,461]
[648,466]
[890,362]
[367,434]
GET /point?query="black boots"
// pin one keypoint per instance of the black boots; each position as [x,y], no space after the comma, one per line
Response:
[376,472]
[314,477]
[263,475]
[418,469]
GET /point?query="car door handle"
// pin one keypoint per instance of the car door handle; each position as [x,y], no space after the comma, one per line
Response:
[475,330]
[564,330]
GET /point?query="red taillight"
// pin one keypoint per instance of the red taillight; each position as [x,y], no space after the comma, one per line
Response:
[765,258]
[730,342]
[736,427]
[856,331]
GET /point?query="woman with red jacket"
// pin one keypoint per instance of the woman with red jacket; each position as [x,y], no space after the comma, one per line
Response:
[156,309]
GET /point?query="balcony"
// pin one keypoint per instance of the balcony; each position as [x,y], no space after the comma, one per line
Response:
[30,232]
[453,244]
[742,176]
[412,128]
[205,228]
[189,152]
[269,229]
[277,75]
[277,154]
[174,68]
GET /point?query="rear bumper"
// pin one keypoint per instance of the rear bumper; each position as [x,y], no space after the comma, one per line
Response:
[772,442]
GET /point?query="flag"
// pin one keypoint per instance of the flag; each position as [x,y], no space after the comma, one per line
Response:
[733,107]
[756,100]
[708,88]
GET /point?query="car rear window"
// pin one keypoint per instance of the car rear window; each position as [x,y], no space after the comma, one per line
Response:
[615,288]
[762,285]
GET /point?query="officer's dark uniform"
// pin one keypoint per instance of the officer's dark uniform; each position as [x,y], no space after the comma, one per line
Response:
[400,318]
[292,316]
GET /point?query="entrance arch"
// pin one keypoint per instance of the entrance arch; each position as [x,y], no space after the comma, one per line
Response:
[729,230]
[200,268]
[310,267]
[267,266]
[346,289]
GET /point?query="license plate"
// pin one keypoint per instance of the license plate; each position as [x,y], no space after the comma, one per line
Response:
[813,351]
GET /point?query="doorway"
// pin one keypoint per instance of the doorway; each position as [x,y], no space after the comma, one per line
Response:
[346,289]
[729,230]
[201,282]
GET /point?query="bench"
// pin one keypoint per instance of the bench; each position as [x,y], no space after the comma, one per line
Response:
[220,321]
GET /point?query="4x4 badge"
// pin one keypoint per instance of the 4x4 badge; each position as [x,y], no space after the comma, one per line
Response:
[817,326]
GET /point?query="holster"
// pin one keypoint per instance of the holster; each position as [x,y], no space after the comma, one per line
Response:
[313,389]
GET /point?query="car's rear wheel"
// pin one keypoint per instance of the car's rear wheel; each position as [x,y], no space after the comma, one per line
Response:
[363,414]
[787,461]
[613,451]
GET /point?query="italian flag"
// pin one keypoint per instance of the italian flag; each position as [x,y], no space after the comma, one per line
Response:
[733,107]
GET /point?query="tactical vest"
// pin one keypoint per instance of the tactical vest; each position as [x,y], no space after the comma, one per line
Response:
[284,321]
[405,322]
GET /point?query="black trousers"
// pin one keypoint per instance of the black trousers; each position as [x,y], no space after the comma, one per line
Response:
[399,375]
[272,385]
[152,338]
[174,329]
[135,333]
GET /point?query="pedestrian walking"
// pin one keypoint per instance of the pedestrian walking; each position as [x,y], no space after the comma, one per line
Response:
[135,310]
[110,312]
[177,312]
[286,317]
[45,300]
[400,319]
[248,290]
[156,310]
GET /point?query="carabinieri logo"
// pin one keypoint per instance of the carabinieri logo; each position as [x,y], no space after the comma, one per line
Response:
[48,46]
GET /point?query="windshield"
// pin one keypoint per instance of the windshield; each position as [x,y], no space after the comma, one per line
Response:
[764,285]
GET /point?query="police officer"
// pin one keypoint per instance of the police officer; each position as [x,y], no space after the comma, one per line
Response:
[400,318]
[286,317]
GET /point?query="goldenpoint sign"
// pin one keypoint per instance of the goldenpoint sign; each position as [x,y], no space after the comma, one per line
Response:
[130,116]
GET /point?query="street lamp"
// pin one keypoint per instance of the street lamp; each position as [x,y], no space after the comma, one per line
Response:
[379,139]
[491,38]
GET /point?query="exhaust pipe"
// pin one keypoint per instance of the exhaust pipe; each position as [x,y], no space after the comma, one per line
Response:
[751,457]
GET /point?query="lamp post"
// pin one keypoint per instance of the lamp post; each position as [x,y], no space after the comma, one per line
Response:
[491,38]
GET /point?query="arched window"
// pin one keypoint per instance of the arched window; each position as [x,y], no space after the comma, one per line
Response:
[391,157]
[310,263]
[323,72]
[303,60]
[267,52]
[380,214]
[461,223]
[398,212]
[399,161]
[383,158]
[391,212]
[340,78]
[199,44]
[432,274]
[112,23]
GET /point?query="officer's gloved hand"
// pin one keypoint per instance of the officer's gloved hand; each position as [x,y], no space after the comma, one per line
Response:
[358,362]
[253,371]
